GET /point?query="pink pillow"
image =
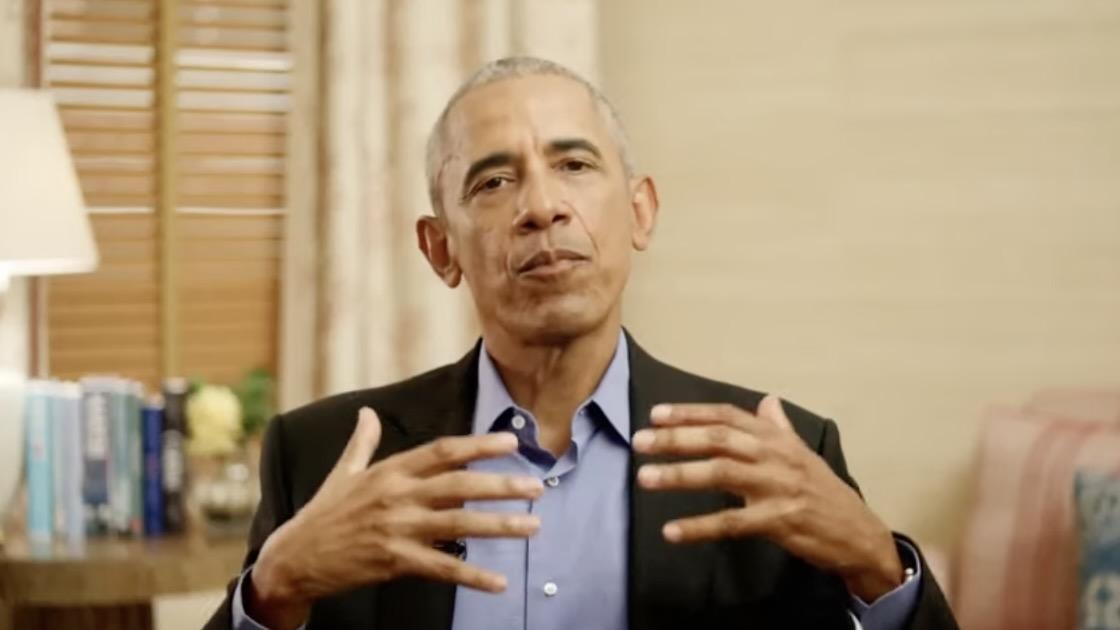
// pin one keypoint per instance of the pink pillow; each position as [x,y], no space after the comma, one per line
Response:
[1017,569]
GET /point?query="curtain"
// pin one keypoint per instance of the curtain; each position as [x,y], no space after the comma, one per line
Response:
[360,307]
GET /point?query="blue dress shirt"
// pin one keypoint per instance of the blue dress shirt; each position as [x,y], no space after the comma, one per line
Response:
[572,573]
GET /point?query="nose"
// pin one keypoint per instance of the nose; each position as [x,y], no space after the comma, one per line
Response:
[540,204]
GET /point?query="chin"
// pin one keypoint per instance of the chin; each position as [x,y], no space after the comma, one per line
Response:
[559,319]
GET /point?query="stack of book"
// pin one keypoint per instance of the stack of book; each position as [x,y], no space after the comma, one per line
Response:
[103,459]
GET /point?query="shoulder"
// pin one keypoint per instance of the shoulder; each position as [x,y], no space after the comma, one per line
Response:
[392,402]
[307,441]
[671,384]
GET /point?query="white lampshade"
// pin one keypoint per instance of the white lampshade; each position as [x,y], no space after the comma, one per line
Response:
[44,227]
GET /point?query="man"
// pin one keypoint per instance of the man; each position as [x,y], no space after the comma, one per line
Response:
[558,476]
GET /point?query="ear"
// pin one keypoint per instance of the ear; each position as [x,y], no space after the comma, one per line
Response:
[644,204]
[431,236]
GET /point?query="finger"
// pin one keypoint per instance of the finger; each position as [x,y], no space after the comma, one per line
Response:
[454,524]
[701,413]
[771,409]
[447,453]
[451,489]
[423,561]
[363,442]
[719,473]
[757,519]
[698,441]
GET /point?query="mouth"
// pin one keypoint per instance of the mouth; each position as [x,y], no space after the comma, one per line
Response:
[551,262]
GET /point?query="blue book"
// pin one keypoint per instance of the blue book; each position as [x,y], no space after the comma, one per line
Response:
[95,454]
[40,482]
[152,421]
[67,427]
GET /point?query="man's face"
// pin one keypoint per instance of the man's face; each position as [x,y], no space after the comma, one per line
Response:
[540,215]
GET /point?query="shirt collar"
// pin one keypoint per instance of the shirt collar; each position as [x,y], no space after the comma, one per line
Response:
[611,396]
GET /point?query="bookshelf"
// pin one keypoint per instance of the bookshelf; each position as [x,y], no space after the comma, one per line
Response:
[111,585]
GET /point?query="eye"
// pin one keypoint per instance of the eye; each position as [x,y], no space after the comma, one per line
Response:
[574,166]
[491,184]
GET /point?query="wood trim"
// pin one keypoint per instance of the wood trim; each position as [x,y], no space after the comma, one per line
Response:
[167,107]
[299,298]
[33,43]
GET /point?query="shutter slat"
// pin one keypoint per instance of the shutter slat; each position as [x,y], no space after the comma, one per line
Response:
[194,13]
[229,165]
[88,31]
[134,11]
[232,144]
[75,119]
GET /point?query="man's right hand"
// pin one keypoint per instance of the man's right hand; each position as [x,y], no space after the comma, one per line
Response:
[369,524]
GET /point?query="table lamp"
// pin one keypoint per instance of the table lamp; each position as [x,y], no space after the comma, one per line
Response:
[44,229]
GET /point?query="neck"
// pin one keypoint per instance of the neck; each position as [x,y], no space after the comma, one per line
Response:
[551,381]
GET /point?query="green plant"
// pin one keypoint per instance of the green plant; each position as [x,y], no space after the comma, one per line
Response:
[256,391]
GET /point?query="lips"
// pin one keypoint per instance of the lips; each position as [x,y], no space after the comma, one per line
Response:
[551,259]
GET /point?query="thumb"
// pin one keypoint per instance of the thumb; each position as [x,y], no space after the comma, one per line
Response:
[771,409]
[363,442]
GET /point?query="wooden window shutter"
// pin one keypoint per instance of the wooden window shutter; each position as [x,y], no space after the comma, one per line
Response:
[233,76]
[207,250]
[99,60]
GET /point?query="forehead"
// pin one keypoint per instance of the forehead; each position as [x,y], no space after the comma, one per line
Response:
[499,116]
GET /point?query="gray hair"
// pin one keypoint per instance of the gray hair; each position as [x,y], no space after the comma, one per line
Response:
[511,68]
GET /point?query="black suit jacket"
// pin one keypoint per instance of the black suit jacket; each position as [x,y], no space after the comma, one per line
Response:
[747,583]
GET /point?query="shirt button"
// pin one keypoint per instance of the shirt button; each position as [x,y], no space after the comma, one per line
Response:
[518,422]
[550,589]
[552,483]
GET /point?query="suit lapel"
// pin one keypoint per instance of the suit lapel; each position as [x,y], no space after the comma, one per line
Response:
[664,579]
[411,603]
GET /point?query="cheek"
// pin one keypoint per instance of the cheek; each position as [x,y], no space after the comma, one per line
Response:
[610,226]
[482,253]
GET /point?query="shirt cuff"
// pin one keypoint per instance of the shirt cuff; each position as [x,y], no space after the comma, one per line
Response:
[891,611]
[241,619]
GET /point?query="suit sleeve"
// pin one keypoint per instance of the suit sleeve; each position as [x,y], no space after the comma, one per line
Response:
[932,610]
[274,509]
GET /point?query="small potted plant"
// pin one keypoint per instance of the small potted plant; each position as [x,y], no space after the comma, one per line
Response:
[222,491]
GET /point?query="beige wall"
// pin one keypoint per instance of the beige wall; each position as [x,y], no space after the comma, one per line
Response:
[890,212]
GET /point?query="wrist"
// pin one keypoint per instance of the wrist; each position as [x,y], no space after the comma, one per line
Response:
[273,595]
[880,573]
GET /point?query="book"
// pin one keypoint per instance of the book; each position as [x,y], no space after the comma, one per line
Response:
[67,427]
[174,455]
[125,458]
[95,454]
[39,447]
[60,465]
[133,402]
[152,425]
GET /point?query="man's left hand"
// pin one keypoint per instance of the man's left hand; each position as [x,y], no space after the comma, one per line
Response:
[790,495]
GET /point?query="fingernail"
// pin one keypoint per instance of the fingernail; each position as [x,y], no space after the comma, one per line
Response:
[498,583]
[660,412]
[527,522]
[528,484]
[506,439]
[643,439]
[672,532]
[649,475]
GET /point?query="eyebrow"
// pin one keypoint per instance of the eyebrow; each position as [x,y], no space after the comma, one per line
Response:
[501,158]
[564,145]
[505,158]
